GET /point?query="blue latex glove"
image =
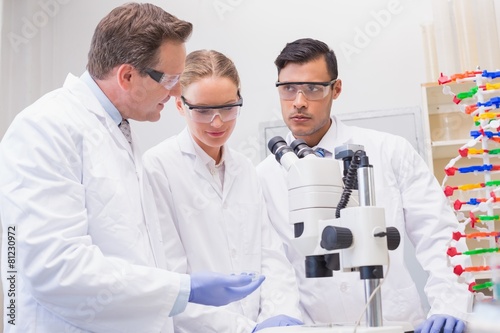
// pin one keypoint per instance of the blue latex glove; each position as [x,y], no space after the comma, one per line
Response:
[279,320]
[441,324]
[217,289]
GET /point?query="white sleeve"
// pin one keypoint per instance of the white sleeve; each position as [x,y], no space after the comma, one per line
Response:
[430,223]
[174,250]
[172,246]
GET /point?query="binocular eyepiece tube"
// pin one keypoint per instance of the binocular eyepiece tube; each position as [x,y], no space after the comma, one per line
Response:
[284,154]
[301,148]
[287,155]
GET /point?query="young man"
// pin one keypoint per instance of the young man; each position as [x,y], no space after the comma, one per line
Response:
[82,246]
[412,198]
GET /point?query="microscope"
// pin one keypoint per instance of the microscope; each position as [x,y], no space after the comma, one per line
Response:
[334,232]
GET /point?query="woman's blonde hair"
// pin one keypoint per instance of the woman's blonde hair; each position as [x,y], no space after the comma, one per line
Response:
[208,63]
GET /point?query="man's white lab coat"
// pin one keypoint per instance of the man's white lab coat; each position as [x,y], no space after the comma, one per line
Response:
[414,203]
[87,239]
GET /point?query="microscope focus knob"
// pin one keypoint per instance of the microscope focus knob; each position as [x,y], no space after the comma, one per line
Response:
[393,238]
[334,238]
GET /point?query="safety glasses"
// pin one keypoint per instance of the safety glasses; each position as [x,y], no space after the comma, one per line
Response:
[312,91]
[206,113]
[166,80]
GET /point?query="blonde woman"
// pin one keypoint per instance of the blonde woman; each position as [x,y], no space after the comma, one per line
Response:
[208,196]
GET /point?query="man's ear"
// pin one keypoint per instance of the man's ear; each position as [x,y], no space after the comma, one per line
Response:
[337,88]
[125,74]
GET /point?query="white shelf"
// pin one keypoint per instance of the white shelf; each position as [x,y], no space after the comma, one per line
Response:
[450,143]
[447,149]
[482,275]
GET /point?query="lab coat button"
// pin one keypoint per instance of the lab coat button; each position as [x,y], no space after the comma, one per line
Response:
[233,253]
[344,287]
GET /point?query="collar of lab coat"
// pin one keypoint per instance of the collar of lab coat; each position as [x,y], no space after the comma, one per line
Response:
[337,135]
[186,145]
[84,94]
[207,159]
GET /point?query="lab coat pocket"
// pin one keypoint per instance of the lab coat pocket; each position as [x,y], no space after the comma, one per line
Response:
[247,217]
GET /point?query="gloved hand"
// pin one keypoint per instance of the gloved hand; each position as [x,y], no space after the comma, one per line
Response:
[217,289]
[439,323]
[279,320]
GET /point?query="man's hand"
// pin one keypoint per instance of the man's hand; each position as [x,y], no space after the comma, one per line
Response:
[279,320]
[441,324]
[220,289]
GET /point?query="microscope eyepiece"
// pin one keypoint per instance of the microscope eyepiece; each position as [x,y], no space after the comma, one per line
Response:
[301,148]
[276,143]
[278,147]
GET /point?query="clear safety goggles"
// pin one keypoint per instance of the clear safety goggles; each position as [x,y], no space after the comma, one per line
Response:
[206,113]
[166,80]
[312,91]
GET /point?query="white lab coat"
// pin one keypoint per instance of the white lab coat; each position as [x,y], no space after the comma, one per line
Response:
[226,231]
[414,203]
[86,260]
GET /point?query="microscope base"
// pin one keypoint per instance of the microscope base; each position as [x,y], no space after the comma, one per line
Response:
[333,329]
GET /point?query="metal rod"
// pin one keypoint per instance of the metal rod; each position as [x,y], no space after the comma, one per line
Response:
[374,309]
[366,186]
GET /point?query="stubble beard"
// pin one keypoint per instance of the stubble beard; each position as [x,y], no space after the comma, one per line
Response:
[307,132]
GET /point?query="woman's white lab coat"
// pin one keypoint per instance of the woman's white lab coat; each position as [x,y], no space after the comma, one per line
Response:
[226,231]
[85,259]
[413,202]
